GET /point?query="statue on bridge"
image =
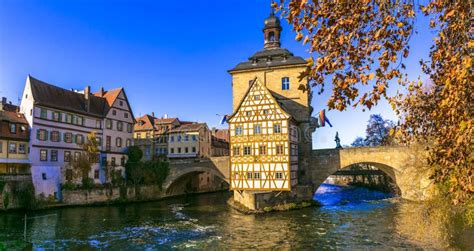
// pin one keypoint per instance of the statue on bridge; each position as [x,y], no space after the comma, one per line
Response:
[338,141]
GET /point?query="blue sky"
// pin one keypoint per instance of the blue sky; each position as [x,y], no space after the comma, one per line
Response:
[171,56]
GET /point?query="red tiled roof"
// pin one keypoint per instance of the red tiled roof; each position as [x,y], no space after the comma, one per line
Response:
[148,123]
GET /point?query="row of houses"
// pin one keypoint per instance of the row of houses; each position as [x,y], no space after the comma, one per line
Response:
[173,138]
[44,134]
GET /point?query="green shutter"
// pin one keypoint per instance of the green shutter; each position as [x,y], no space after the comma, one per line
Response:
[60,117]
[46,136]
[38,134]
[73,138]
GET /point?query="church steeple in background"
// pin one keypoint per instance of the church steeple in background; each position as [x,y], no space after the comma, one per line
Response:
[271,31]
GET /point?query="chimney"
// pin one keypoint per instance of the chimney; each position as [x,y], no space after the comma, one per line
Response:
[153,114]
[4,100]
[87,93]
[101,91]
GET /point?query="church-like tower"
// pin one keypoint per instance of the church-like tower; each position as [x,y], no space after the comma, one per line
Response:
[266,92]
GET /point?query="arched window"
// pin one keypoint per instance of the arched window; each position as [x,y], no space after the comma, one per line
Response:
[271,36]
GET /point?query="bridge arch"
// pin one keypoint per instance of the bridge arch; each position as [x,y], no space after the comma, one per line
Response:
[180,176]
[404,165]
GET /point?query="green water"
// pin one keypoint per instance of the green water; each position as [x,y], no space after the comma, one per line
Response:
[352,218]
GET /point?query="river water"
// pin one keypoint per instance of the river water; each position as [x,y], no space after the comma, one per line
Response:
[350,218]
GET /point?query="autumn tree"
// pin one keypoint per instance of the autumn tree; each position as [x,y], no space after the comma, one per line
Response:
[82,164]
[360,45]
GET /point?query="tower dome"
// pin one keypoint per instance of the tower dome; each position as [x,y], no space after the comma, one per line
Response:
[271,31]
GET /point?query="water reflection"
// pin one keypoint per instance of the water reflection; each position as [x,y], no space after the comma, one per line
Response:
[351,218]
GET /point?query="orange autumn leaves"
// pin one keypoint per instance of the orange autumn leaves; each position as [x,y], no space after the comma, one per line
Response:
[363,43]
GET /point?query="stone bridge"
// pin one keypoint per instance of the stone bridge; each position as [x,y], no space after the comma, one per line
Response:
[179,169]
[405,165]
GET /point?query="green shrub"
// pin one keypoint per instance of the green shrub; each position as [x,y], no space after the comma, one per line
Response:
[26,196]
[6,200]
[134,153]
[68,186]
[87,183]
[147,173]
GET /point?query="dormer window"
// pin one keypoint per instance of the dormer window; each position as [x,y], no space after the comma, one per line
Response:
[285,83]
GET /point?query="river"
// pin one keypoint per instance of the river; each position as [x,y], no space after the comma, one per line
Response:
[350,218]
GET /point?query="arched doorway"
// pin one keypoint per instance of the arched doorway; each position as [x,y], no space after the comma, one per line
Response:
[197,180]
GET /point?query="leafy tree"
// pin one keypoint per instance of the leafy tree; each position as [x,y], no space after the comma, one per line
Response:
[134,153]
[82,164]
[358,142]
[360,43]
[378,130]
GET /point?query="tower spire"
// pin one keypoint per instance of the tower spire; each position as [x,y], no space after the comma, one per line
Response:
[272,30]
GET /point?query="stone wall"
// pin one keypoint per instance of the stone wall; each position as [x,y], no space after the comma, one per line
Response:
[15,192]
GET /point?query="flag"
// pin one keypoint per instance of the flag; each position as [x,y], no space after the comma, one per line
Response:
[223,120]
[323,119]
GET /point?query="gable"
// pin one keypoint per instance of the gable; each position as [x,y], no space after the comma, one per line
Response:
[258,104]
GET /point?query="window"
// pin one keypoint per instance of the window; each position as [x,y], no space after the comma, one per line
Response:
[248,113]
[194,149]
[78,120]
[179,149]
[43,113]
[122,161]
[12,148]
[276,128]
[119,126]
[79,139]
[147,135]
[121,103]
[172,150]
[68,137]
[77,155]
[138,135]
[186,150]
[266,112]
[195,138]
[256,175]
[42,134]
[113,161]
[12,128]
[257,129]
[43,155]
[247,150]
[279,175]
[256,97]
[114,112]
[238,130]
[96,174]
[179,138]
[108,141]
[43,176]
[249,175]
[279,150]
[54,155]
[55,136]
[129,127]
[128,143]
[118,142]
[171,138]
[98,123]
[68,118]
[271,36]
[262,150]
[67,156]
[21,148]
[236,151]
[56,116]
[98,141]
[285,83]
[125,115]
[108,123]
[186,138]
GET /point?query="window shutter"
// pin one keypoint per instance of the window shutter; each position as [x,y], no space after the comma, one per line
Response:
[60,116]
[64,137]
[73,138]
[38,134]
[59,137]
[46,135]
